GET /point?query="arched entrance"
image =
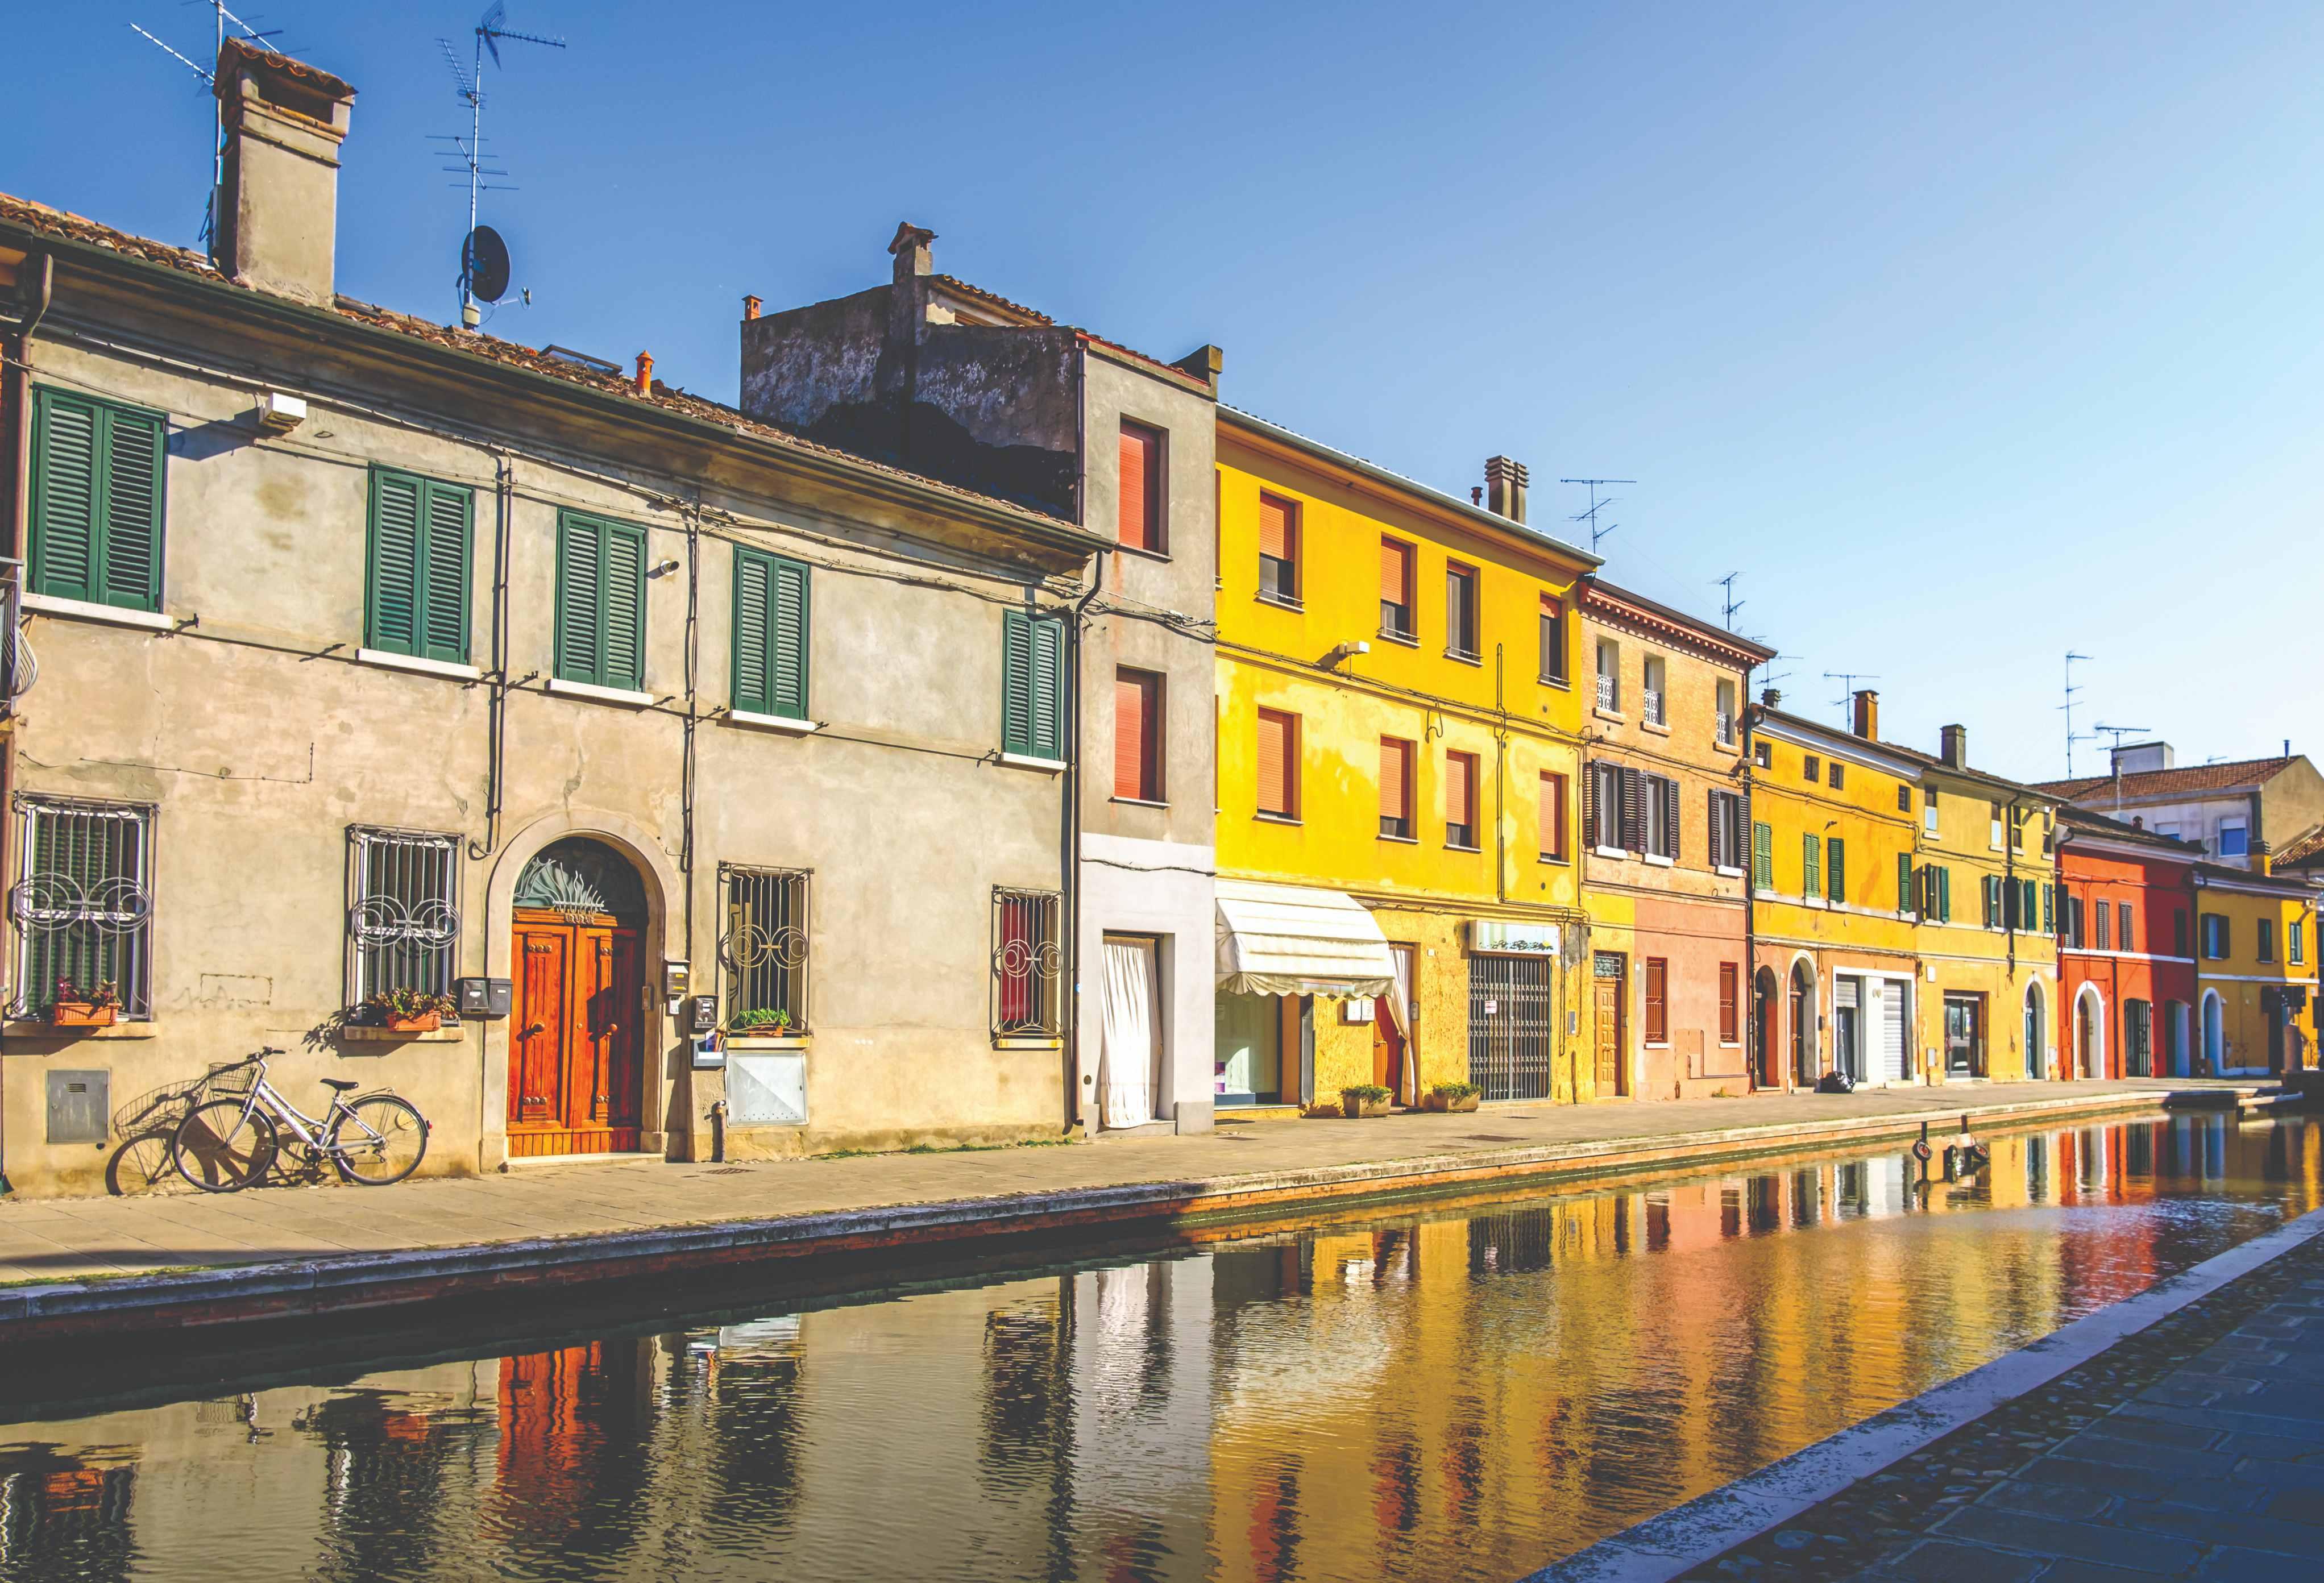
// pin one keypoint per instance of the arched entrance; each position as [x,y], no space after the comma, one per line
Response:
[2037,1043]
[1803,1028]
[2215,1034]
[2089,1034]
[1764,1029]
[577,1079]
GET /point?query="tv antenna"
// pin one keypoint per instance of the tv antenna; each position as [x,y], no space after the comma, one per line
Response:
[2072,735]
[490,29]
[1771,680]
[222,16]
[1847,680]
[1727,615]
[2117,732]
[1596,506]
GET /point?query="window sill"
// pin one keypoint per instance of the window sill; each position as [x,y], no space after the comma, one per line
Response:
[765,1041]
[1401,840]
[1038,766]
[783,723]
[1557,858]
[1610,851]
[1279,818]
[624,697]
[88,610]
[35,1028]
[1454,846]
[1656,859]
[1658,727]
[1724,872]
[440,1035]
[1615,715]
[1731,748]
[1139,802]
[1141,550]
[1279,602]
[1028,1042]
[1657,1045]
[1406,639]
[1560,683]
[1454,654]
[1817,902]
[414,663]
[1731,1044]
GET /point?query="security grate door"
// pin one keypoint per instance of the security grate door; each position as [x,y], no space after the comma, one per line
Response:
[1509,1013]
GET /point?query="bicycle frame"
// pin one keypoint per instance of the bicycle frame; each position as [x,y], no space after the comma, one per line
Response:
[312,1131]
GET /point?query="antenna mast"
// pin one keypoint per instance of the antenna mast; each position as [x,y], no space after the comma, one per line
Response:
[2071,737]
[1847,680]
[470,84]
[1596,506]
[217,138]
[1727,615]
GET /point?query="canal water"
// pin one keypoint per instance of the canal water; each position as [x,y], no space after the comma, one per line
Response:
[1462,1391]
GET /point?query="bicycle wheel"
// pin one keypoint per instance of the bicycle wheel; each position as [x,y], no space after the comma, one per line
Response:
[379,1141]
[220,1148]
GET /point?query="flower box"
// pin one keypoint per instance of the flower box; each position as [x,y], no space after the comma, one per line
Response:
[427,1023]
[1448,1102]
[1356,1107]
[82,1014]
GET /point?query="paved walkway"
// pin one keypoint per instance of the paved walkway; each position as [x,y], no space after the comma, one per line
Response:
[2192,1449]
[67,1240]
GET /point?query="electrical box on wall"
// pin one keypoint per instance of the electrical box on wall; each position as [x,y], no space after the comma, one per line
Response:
[481,998]
[677,982]
[702,1014]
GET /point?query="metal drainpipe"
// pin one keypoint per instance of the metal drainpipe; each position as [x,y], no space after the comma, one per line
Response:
[40,271]
[1076,1110]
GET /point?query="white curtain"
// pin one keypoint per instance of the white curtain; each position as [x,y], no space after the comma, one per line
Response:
[1126,1071]
[1399,1009]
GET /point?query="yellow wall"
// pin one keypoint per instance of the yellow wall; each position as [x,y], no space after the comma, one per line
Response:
[1967,956]
[1497,707]
[2239,977]
[1862,815]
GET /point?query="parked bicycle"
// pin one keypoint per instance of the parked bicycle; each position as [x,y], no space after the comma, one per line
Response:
[228,1142]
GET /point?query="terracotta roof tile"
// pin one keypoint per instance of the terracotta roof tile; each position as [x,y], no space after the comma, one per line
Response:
[56,223]
[2303,851]
[954,283]
[322,81]
[2186,778]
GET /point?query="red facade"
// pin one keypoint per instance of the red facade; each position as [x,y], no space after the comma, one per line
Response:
[2125,1003]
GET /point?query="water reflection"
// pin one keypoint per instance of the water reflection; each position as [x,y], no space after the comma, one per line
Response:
[1455,1393]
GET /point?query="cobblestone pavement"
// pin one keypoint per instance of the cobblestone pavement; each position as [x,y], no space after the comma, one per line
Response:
[2192,1449]
[63,1240]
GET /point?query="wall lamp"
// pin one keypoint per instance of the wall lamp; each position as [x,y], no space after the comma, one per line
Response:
[1345,652]
[663,568]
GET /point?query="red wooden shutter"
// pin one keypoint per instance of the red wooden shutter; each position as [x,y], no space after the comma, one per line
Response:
[1395,572]
[1275,527]
[1139,522]
[1553,815]
[1395,778]
[1658,1000]
[1133,734]
[1459,771]
[1730,1026]
[1276,742]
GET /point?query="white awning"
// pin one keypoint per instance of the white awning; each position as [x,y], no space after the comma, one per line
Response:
[1291,940]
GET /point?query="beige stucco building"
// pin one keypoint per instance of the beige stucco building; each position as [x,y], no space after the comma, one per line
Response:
[372,653]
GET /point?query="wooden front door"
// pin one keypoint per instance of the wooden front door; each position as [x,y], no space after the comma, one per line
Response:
[576,1086]
[1613,1061]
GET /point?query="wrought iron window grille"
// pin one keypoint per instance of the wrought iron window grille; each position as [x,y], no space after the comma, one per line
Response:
[84,905]
[1027,962]
[763,948]
[403,911]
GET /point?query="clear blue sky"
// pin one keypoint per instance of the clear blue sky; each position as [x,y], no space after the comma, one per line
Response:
[1965,333]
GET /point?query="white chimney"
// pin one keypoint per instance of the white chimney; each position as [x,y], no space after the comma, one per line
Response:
[278,197]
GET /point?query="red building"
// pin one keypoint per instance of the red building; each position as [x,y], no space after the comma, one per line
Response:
[2125,949]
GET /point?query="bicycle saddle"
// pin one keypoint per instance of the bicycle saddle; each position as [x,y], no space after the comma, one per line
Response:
[341,1083]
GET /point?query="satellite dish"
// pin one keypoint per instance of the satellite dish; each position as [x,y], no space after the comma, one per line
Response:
[484,264]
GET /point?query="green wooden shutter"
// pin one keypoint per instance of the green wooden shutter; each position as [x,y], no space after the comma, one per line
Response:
[1763,857]
[1945,895]
[96,501]
[1904,882]
[580,547]
[753,583]
[1811,877]
[448,512]
[2028,894]
[787,658]
[625,606]
[1836,869]
[391,603]
[1048,689]
[1016,683]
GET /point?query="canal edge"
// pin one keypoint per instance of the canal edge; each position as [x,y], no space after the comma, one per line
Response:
[1669,1546]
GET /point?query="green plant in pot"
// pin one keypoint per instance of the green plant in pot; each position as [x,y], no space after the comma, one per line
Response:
[1362,1099]
[406,1010]
[97,1006]
[760,1023]
[1451,1096]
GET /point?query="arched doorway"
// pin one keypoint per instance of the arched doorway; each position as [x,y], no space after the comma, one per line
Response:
[2037,1043]
[576,1079]
[1764,1029]
[1803,1028]
[2089,1034]
[2215,1034]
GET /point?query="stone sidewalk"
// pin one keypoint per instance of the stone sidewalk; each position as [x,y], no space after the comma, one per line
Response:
[54,1239]
[2192,1449]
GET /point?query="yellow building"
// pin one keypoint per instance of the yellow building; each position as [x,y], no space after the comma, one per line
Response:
[1837,973]
[2254,969]
[1986,937]
[1397,724]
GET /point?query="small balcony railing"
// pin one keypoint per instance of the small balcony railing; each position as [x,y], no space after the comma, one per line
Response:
[1606,693]
[1650,706]
[1723,728]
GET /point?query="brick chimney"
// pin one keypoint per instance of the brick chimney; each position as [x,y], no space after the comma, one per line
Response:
[1953,752]
[1865,717]
[278,197]
[912,253]
[1505,488]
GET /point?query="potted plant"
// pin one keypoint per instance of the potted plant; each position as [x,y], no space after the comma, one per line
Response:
[1451,1096]
[1365,1098]
[73,1007]
[407,1011]
[760,1023]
